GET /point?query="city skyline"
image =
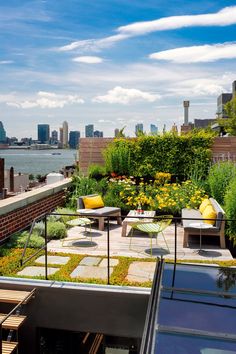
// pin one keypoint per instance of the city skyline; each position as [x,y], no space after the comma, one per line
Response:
[113,64]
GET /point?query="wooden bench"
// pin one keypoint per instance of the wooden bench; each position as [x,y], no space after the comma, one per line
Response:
[14,296]
[12,322]
[191,216]
[8,347]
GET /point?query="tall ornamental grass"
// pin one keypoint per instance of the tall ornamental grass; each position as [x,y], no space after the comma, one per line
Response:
[220,175]
[230,209]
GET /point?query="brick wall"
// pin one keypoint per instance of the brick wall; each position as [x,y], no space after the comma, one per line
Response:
[17,214]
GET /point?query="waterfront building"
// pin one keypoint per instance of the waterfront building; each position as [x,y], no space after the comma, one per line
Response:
[98,134]
[138,128]
[64,134]
[153,129]
[43,133]
[89,131]
[2,133]
[74,137]
[54,137]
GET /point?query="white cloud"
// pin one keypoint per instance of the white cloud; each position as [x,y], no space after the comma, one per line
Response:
[47,100]
[88,59]
[196,54]
[3,62]
[225,17]
[124,96]
[197,87]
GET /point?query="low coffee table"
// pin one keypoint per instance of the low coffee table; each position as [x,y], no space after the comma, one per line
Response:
[200,226]
[134,217]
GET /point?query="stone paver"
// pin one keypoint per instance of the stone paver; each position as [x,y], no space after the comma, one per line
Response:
[53,260]
[113,262]
[141,271]
[37,271]
[90,272]
[90,261]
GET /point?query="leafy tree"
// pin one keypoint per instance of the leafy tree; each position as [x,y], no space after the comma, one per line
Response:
[229,124]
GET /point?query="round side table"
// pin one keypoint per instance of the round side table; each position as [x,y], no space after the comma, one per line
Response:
[200,226]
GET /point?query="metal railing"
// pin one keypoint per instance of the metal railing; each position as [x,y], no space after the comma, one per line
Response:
[175,220]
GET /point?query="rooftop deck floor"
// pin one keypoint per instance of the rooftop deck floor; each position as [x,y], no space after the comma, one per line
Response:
[79,241]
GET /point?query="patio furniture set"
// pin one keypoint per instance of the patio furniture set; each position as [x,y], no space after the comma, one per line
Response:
[195,222]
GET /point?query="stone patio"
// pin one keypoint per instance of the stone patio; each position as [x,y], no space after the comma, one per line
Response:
[140,247]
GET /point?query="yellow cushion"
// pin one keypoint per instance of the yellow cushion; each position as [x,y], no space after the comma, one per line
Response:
[93,202]
[209,213]
[204,204]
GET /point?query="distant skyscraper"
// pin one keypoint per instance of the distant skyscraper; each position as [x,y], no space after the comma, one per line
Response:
[98,134]
[139,128]
[54,137]
[2,133]
[65,134]
[116,132]
[153,129]
[89,129]
[74,139]
[43,133]
[61,135]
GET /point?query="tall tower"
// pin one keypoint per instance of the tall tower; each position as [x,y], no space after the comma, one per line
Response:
[65,134]
[2,133]
[234,89]
[89,131]
[43,133]
[186,107]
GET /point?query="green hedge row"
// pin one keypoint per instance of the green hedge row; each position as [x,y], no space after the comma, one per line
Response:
[184,155]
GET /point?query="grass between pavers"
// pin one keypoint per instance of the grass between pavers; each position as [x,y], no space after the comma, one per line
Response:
[10,266]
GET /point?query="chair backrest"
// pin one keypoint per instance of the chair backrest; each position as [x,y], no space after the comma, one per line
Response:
[80,203]
[164,221]
[220,213]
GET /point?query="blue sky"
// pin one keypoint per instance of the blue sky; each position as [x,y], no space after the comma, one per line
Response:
[113,63]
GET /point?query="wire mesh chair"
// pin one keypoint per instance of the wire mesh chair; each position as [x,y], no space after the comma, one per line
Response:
[153,228]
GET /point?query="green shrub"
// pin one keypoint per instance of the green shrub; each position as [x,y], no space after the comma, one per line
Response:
[56,230]
[64,218]
[219,178]
[147,155]
[118,158]
[18,240]
[230,209]
[80,186]
[39,228]
[97,172]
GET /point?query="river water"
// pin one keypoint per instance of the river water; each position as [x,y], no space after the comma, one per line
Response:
[38,161]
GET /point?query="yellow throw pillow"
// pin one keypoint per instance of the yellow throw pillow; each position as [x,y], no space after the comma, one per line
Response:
[209,213]
[93,202]
[204,204]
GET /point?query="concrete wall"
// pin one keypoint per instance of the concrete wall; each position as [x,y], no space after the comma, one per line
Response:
[116,311]
[91,149]
[19,211]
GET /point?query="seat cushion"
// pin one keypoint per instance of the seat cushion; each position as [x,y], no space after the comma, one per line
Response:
[209,213]
[204,204]
[105,211]
[93,202]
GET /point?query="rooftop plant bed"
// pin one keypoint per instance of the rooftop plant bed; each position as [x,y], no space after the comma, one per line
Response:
[10,266]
